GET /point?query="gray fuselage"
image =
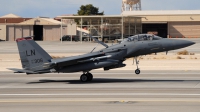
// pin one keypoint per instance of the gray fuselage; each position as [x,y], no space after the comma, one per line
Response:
[113,56]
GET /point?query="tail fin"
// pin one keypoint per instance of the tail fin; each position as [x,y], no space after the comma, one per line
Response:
[32,56]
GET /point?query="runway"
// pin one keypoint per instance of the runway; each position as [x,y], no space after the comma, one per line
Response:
[152,91]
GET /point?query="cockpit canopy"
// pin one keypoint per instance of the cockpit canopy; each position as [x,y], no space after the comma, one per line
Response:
[142,37]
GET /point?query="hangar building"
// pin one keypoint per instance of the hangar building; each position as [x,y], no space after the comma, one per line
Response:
[43,29]
[167,24]
[9,19]
[172,24]
[13,26]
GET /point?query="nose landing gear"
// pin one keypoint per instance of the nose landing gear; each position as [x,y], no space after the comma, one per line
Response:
[137,71]
[85,77]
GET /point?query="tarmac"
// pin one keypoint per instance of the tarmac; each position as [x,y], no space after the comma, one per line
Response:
[165,84]
[120,91]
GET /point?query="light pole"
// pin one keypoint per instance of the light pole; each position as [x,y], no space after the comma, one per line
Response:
[61,31]
[71,22]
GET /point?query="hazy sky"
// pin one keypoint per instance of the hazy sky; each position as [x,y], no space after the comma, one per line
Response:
[52,8]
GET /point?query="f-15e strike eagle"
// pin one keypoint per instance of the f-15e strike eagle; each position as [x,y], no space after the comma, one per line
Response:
[35,60]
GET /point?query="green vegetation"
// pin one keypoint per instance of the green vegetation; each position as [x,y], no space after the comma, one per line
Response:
[89,9]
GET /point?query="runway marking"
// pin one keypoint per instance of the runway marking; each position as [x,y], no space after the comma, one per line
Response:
[120,100]
[104,94]
[126,73]
[156,73]
[197,85]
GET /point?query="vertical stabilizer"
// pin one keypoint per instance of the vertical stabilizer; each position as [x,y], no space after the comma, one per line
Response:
[32,56]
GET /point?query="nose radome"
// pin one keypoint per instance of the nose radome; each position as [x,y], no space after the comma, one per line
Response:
[182,43]
[191,43]
[186,43]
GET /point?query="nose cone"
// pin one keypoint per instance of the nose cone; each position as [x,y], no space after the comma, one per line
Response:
[182,43]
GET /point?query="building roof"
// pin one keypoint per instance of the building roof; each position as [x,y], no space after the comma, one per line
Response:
[51,20]
[10,16]
[40,21]
[161,12]
[95,16]
[58,17]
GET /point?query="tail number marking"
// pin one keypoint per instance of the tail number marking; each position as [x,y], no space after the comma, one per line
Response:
[31,53]
[37,61]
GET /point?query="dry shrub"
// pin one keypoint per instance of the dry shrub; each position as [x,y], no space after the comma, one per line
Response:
[152,54]
[56,57]
[178,57]
[163,57]
[159,58]
[192,53]
[185,52]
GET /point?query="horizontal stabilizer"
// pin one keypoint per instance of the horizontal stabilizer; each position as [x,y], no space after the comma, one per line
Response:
[22,71]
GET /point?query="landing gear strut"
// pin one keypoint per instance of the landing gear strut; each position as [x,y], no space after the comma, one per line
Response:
[86,77]
[137,71]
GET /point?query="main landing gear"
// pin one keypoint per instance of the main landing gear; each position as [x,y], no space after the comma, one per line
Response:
[137,71]
[86,77]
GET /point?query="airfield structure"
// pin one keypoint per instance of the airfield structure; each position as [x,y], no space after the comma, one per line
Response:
[106,28]
[131,5]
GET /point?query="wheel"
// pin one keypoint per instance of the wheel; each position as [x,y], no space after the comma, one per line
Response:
[90,76]
[137,71]
[84,78]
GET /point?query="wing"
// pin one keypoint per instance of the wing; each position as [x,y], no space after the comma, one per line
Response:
[16,70]
[77,59]
[113,56]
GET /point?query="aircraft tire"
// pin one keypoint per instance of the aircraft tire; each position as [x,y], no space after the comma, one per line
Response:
[84,78]
[137,71]
[90,76]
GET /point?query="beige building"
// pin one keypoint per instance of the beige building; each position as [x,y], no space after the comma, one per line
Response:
[43,29]
[2,32]
[8,20]
[13,27]
[174,23]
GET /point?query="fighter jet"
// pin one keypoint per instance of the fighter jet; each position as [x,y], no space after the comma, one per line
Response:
[35,60]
